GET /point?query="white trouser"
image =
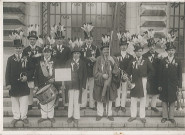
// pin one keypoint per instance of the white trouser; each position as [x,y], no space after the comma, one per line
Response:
[153,100]
[19,107]
[47,110]
[74,107]
[31,86]
[142,102]
[90,87]
[100,108]
[121,100]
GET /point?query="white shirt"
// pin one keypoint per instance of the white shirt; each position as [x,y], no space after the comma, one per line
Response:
[170,58]
[123,54]
[76,60]
[19,55]
[32,47]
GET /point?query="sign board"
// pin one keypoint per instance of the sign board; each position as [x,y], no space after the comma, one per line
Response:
[63,74]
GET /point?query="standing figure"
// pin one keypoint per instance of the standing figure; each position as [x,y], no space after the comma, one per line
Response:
[77,84]
[62,53]
[123,58]
[106,80]
[170,80]
[139,70]
[33,53]
[16,81]
[90,53]
[152,82]
[45,75]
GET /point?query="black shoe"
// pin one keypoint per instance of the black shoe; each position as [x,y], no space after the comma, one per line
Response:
[117,109]
[52,120]
[25,121]
[98,118]
[14,121]
[41,120]
[172,121]
[69,120]
[163,120]
[123,109]
[143,120]
[111,118]
[154,109]
[131,119]
[29,107]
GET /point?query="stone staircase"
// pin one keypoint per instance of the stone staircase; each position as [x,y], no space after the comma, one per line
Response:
[88,118]
[13,18]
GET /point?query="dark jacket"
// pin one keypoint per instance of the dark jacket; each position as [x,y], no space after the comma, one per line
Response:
[82,76]
[13,70]
[170,77]
[152,82]
[32,60]
[137,73]
[86,54]
[111,92]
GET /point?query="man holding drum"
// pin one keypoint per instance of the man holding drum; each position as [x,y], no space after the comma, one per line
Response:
[44,75]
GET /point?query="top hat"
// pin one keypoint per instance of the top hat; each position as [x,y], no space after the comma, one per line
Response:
[33,31]
[17,36]
[76,45]
[170,45]
[138,42]
[123,38]
[105,42]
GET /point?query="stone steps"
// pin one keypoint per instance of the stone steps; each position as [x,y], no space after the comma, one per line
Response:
[35,112]
[7,103]
[90,122]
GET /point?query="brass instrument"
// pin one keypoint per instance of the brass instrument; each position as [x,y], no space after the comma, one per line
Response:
[180,97]
[129,80]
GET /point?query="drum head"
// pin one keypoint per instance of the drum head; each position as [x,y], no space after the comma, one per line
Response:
[43,89]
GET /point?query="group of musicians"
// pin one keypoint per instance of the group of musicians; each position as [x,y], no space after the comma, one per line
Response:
[108,78]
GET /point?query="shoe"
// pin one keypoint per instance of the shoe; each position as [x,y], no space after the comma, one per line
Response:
[154,109]
[123,109]
[82,108]
[29,107]
[14,121]
[117,109]
[163,120]
[98,118]
[143,120]
[52,120]
[172,121]
[131,119]
[111,118]
[41,120]
[75,121]
[69,120]
[25,121]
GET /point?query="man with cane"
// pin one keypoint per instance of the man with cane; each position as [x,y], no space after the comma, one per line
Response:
[106,75]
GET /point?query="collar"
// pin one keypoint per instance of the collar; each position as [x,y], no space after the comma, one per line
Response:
[32,47]
[77,60]
[140,58]
[170,58]
[16,55]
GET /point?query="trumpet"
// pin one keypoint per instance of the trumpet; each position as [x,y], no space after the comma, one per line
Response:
[128,79]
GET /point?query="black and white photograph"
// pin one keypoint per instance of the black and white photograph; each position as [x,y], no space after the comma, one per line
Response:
[93,66]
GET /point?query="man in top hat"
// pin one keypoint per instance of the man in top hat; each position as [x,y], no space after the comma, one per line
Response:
[33,53]
[90,53]
[123,58]
[170,81]
[106,80]
[77,84]
[62,54]
[44,75]
[139,70]
[16,76]
[152,82]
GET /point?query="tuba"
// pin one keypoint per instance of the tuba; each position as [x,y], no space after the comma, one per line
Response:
[128,79]
[180,97]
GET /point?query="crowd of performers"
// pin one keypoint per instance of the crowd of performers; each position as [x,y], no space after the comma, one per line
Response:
[31,70]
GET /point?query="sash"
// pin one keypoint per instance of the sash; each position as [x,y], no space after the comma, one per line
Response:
[44,69]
